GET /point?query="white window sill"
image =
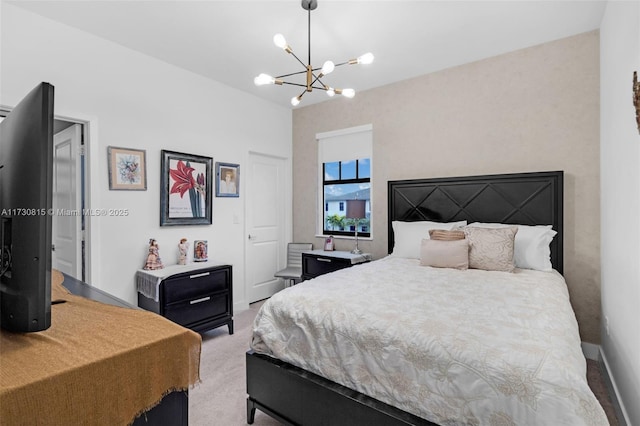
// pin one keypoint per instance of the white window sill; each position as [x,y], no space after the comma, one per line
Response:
[345,237]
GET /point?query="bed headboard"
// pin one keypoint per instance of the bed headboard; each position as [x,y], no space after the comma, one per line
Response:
[520,198]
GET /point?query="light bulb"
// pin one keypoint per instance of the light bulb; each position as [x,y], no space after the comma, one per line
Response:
[295,100]
[280,41]
[328,67]
[348,93]
[263,79]
[365,59]
[331,91]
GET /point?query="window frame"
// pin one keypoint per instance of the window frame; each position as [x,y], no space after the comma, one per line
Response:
[341,181]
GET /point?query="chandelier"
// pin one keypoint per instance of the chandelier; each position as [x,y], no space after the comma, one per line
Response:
[313,78]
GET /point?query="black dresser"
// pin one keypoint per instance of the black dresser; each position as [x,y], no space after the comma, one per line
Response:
[199,297]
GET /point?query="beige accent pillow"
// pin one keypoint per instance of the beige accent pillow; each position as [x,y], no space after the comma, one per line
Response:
[491,249]
[445,235]
[445,254]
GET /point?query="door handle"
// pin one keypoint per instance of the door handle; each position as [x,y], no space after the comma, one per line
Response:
[252,237]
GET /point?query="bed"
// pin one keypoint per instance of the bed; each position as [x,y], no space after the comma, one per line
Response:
[395,342]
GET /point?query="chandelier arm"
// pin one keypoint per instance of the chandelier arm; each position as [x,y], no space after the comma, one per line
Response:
[294,84]
[294,55]
[290,74]
[317,79]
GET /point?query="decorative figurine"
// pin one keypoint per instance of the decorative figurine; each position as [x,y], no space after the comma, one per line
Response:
[200,251]
[183,248]
[153,258]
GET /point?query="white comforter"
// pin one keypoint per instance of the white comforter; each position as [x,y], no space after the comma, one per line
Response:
[455,347]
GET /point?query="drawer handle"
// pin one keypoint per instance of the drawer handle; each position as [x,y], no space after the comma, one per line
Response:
[204,299]
[204,274]
[322,259]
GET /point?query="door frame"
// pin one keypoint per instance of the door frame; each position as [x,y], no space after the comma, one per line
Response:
[91,193]
[287,222]
[73,132]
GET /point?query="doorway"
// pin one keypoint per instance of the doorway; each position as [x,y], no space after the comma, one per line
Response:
[266,218]
[68,200]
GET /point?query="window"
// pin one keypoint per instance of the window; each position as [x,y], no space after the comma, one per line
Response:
[345,164]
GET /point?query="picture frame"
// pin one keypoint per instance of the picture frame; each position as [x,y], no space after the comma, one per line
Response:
[127,169]
[328,244]
[185,189]
[227,180]
[200,251]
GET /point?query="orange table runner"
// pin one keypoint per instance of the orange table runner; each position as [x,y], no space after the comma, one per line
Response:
[97,364]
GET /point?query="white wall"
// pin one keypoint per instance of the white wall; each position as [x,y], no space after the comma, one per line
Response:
[136,101]
[620,201]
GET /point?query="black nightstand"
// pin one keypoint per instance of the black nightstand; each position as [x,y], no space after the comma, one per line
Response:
[319,262]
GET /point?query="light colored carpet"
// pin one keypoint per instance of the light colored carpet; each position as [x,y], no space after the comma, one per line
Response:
[220,398]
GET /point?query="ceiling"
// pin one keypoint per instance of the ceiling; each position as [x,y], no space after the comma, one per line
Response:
[231,41]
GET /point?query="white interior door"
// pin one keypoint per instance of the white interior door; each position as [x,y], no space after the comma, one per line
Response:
[67,219]
[265,220]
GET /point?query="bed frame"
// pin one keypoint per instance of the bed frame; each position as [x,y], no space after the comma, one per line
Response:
[297,397]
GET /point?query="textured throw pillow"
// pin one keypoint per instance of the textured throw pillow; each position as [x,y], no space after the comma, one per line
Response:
[408,235]
[444,235]
[445,254]
[531,250]
[491,249]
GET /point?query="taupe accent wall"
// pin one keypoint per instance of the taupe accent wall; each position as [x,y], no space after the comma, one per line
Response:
[535,109]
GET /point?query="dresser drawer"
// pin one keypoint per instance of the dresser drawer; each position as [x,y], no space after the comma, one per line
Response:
[187,312]
[318,265]
[188,287]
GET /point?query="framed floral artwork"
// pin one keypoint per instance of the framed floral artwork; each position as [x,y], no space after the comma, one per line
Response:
[227,180]
[185,192]
[127,169]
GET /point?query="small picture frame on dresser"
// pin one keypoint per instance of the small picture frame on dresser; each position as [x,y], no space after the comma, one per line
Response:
[328,244]
[200,251]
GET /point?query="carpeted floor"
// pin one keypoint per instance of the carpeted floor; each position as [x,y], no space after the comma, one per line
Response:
[220,398]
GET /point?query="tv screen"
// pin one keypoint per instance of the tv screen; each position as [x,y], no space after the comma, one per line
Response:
[26,173]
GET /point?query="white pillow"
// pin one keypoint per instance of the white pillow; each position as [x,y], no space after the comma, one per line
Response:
[408,236]
[531,249]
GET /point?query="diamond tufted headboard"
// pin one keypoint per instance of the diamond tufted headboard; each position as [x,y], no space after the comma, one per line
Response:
[521,198]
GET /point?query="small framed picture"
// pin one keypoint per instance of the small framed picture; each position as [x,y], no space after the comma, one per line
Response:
[127,169]
[227,180]
[328,244]
[200,251]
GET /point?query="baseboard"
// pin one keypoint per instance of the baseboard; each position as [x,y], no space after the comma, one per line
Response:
[621,412]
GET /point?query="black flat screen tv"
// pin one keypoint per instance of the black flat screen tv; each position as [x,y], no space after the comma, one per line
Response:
[26,173]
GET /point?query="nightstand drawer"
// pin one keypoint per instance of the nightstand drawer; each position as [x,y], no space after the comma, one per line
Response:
[192,286]
[191,311]
[319,265]
[319,262]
